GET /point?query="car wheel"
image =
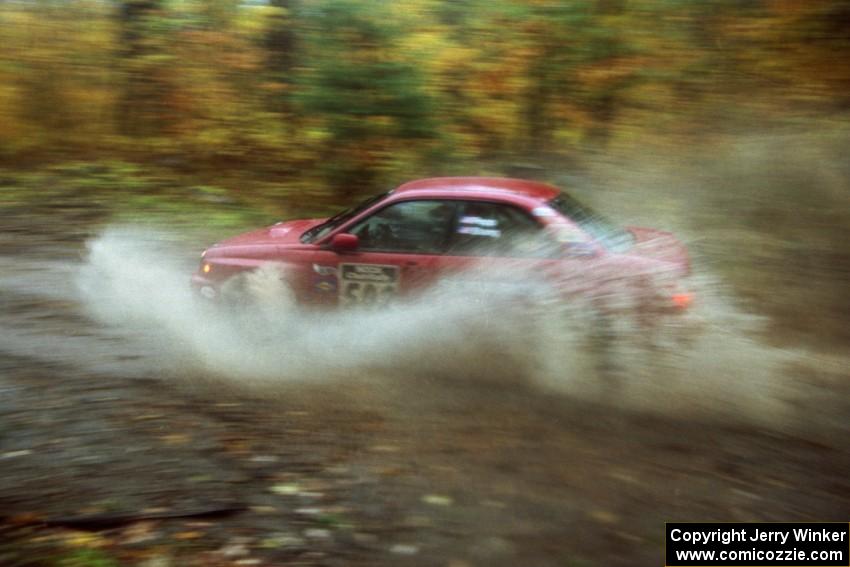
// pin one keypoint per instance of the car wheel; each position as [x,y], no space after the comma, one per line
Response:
[263,289]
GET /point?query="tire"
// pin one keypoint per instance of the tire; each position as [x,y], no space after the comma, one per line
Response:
[261,290]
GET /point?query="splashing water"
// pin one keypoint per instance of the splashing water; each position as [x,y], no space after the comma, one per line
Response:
[704,364]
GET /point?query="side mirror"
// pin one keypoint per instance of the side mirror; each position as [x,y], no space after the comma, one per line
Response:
[344,242]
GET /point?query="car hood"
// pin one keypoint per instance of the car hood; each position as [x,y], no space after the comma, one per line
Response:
[280,233]
[659,245]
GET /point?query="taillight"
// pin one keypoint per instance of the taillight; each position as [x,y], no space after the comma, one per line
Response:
[682,300]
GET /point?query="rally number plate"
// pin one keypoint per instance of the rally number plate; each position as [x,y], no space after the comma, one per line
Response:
[367,284]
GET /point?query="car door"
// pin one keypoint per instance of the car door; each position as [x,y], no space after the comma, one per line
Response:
[399,252]
[501,247]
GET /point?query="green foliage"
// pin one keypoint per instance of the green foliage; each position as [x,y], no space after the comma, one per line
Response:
[116,191]
[86,558]
[367,97]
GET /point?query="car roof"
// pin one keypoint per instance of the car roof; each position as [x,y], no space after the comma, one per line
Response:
[480,186]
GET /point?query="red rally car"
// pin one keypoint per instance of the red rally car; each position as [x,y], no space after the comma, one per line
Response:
[424,232]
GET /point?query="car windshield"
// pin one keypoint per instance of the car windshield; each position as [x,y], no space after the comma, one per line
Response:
[612,236]
[338,219]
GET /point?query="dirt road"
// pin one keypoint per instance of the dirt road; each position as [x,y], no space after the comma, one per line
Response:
[111,455]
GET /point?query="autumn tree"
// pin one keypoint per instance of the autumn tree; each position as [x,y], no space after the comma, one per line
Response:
[369,98]
[144,60]
[280,42]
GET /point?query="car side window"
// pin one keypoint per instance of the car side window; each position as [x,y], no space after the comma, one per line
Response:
[419,227]
[494,229]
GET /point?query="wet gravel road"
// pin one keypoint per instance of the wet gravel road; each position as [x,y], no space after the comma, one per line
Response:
[105,447]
